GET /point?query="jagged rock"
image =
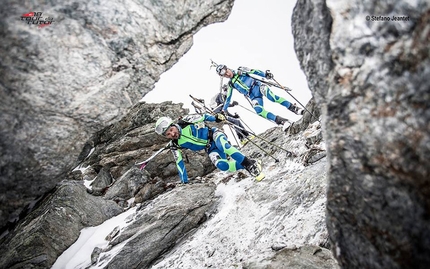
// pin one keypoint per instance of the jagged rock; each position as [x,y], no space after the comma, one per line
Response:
[53,226]
[62,83]
[306,257]
[75,175]
[95,254]
[158,226]
[150,190]
[128,185]
[311,20]
[102,180]
[89,174]
[371,79]
[311,115]
[112,234]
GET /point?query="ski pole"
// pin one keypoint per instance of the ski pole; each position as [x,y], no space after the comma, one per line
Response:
[246,125]
[270,83]
[213,64]
[278,85]
[263,150]
[240,128]
[234,136]
[265,140]
[298,101]
[145,162]
[212,112]
[253,112]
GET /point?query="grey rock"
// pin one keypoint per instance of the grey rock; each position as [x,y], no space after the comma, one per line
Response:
[311,20]
[168,212]
[112,234]
[128,185]
[53,226]
[150,190]
[306,257]
[103,179]
[95,255]
[371,80]
[158,226]
[62,83]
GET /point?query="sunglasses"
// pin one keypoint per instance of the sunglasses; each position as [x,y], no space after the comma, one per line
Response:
[223,71]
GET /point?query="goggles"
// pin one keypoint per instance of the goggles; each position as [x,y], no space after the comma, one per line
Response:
[221,69]
[222,72]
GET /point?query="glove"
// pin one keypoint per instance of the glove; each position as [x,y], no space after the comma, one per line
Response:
[268,74]
[234,103]
[236,116]
[219,117]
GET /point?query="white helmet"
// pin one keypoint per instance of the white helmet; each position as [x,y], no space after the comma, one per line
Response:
[162,125]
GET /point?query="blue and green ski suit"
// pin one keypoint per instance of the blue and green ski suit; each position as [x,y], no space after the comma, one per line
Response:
[254,90]
[197,136]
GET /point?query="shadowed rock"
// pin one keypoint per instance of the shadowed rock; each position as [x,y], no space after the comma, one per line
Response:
[62,83]
[371,80]
[53,226]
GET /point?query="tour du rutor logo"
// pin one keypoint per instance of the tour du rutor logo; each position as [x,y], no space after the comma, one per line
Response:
[37,19]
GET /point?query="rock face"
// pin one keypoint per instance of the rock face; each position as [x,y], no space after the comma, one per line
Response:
[53,226]
[62,83]
[371,79]
[157,227]
[164,217]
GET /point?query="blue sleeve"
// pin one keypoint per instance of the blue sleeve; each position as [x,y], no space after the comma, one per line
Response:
[180,165]
[227,98]
[209,117]
[258,72]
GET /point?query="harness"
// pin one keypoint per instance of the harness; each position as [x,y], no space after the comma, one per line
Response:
[236,79]
[195,139]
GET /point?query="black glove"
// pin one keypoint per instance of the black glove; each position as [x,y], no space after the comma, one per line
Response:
[236,116]
[234,103]
[219,117]
[173,146]
[268,74]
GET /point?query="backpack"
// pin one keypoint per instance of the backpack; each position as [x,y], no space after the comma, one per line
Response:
[190,119]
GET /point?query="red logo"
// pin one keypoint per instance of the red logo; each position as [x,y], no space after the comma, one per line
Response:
[30,14]
[37,19]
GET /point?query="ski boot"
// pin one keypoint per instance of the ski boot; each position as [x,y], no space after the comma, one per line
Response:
[254,168]
[295,109]
[245,140]
[282,122]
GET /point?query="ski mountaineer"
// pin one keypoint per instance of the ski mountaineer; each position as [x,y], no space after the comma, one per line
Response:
[190,132]
[254,90]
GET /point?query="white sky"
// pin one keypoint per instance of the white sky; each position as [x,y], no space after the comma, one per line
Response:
[256,35]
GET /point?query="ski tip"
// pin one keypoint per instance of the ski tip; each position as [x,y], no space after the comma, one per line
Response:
[260,177]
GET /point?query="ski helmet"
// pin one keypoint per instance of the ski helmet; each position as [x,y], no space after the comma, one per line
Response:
[162,125]
[220,69]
